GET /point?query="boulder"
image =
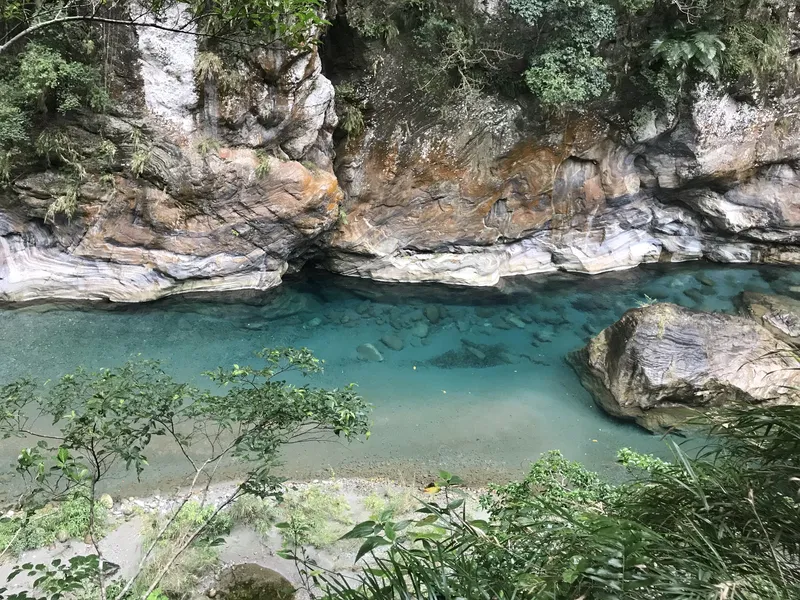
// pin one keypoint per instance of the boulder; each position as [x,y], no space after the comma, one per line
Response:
[660,363]
[369,353]
[420,330]
[779,314]
[433,314]
[393,342]
[515,321]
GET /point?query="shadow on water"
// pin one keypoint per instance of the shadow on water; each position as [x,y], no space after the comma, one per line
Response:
[471,380]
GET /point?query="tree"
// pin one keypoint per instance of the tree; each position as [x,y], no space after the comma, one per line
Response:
[108,419]
[254,21]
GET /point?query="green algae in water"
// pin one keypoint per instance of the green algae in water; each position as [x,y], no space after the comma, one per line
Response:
[435,405]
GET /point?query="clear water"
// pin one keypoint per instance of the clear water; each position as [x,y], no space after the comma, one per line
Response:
[485,414]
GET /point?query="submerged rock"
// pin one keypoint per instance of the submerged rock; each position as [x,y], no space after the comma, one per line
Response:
[393,342]
[420,330]
[659,362]
[473,355]
[516,321]
[433,314]
[779,314]
[369,353]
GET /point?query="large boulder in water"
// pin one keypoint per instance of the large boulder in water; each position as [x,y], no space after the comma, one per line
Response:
[779,314]
[658,363]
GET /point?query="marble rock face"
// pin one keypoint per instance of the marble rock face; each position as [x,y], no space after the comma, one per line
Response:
[229,189]
[779,314]
[483,192]
[242,181]
[657,365]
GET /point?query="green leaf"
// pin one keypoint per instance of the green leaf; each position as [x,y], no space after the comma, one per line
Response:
[362,530]
[371,544]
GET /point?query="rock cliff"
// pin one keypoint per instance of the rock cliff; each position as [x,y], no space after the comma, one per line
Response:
[224,179]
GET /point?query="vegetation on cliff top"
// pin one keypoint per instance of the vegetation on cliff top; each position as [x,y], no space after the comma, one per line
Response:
[568,53]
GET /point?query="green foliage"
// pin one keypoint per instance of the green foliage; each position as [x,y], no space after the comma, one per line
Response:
[568,77]
[36,85]
[142,153]
[315,516]
[65,204]
[393,504]
[553,479]
[757,49]
[580,51]
[111,417]
[263,164]
[722,524]
[48,81]
[196,561]
[350,109]
[684,51]
[207,66]
[207,145]
[72,579]
[255,512]
[68,519]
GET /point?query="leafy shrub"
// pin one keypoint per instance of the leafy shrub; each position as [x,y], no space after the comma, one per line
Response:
[724,524]
[68,519]
[567,76]
[315,515]
[263,164]
[395,504]
[255,512]
[192,564]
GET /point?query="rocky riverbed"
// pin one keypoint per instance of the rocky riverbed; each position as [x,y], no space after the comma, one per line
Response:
[253,544]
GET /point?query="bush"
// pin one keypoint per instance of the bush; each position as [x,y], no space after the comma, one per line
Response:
[315,516]
[567,76]
[722,523]
[252,511]
[193,563]
[65,520]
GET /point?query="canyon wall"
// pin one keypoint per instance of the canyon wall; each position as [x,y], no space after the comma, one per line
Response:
[218,190]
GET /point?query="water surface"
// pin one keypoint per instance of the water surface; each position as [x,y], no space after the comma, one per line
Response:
[484,393]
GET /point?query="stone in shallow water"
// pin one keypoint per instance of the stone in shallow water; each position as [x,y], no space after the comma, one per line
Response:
[779,314]
[706,281]
[516,321]
[498,322]
[250,581]
[472,355]
[420,330]
[393,342]
[695,295]
[315,322]
[433,313]
[369,353]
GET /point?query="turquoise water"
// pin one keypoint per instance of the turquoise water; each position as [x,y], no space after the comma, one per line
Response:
[483,392]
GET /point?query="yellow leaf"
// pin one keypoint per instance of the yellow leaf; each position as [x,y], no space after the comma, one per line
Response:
[432,489]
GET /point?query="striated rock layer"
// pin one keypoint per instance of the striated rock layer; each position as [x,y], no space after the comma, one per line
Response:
[203,191]
[227,182]
[660,363]
[481,193]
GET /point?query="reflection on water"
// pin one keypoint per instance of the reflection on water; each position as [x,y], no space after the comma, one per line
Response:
[472,380]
